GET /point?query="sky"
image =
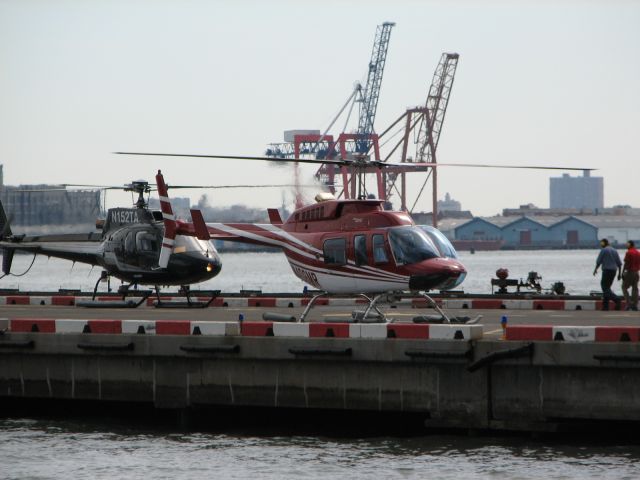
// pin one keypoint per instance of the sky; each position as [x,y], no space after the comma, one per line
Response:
[548,83]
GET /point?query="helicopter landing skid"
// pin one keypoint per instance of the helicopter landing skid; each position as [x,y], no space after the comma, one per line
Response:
[130,303]
[442,317]
[125,302]
[372,314]
[184,304]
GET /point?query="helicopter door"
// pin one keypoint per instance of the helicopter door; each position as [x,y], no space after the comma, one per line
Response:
[335,251]
[335,257]
[380,254]
[147,249]
[360,250]
[130,256]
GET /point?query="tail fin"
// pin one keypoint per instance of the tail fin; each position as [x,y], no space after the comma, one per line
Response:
[7,259]
[169,222]
[5,228]
[5,232]
[200,227]
[274,216]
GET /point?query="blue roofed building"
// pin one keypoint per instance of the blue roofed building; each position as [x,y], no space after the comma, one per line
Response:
[479,229]
[523,232]
[572,232]
[479,234]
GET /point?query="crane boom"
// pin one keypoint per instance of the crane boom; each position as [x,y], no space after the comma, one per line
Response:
[371,91]
[436,107]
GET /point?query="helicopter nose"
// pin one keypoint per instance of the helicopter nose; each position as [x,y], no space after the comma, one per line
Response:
[213,265]
[442,274]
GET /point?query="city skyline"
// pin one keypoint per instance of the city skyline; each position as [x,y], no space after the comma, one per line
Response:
[538,83]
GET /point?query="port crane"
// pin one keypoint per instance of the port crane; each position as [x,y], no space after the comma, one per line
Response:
[425,122]
[347,145]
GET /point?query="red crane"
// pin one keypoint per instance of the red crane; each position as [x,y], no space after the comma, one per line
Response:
[347,145]
[428,120]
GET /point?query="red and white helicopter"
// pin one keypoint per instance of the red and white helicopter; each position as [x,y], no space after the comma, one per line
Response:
[340,246]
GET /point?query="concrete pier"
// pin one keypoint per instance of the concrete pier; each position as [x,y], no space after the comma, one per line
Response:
[472,381]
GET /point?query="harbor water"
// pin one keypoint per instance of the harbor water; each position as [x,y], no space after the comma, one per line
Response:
[52,449]
[32,447]
[270,272]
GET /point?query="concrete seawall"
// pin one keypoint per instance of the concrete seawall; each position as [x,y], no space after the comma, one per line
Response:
[479,384]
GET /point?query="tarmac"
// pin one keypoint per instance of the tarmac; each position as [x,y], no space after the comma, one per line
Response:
[554,371]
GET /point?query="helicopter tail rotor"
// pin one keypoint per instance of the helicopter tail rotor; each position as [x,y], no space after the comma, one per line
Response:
[169,222]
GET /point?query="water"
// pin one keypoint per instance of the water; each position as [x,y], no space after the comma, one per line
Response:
[270,272]
[101,449]
[38,449]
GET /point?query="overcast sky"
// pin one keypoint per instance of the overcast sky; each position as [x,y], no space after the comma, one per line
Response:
[540,83]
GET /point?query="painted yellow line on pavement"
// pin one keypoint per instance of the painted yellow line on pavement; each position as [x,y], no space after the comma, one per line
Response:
[499,330]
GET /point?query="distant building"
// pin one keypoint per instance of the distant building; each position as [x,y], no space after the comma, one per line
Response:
[549,231]
[49,205]
[180,205]
[584,192]
[426,218]
[448,204]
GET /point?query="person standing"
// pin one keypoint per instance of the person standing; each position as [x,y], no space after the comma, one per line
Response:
[610,262]
[630,276]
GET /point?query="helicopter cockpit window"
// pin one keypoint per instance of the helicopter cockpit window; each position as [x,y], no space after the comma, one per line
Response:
[146,242]
[379,252]
[442,242]
[411,245]
[360,249]
[335,251]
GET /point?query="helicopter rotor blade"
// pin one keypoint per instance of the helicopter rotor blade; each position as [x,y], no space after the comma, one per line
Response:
[103,187]
[170,187]
[362,163]
[242,157]
[476,165]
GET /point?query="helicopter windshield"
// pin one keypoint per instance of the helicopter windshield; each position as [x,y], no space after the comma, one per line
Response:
[442,242]
[411,245]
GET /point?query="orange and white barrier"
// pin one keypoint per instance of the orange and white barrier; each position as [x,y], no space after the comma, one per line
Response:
[548,333]
[291,302]
[249,328]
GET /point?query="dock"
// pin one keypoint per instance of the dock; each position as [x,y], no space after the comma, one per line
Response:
[546,371]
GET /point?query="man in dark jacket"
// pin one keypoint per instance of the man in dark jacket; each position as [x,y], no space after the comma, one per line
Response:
[610,262]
